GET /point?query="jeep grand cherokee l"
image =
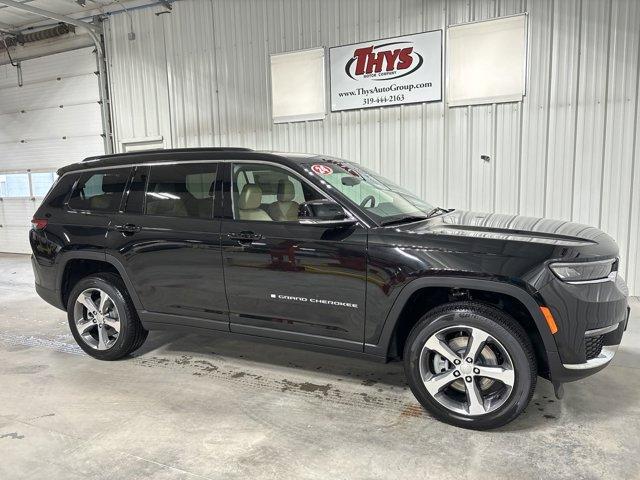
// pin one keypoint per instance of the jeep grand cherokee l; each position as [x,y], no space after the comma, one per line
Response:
[319,252]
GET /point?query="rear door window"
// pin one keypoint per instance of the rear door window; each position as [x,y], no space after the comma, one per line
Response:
[181,190]
[99,191]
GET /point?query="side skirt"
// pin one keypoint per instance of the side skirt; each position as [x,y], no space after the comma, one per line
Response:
[198,326]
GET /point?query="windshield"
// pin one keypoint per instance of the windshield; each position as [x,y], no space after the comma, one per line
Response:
[384,201]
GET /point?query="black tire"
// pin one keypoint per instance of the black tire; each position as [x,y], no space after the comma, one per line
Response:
[502,328]
[132,334]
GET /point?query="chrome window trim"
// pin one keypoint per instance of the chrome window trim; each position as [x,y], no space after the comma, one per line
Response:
[69,208]
[229,160]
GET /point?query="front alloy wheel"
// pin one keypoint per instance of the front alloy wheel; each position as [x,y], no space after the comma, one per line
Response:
[470,365]
[466,370]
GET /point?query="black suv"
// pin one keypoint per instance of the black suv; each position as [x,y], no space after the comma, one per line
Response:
[317,251]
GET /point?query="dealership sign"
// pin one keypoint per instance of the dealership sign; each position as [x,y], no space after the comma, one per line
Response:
[392,71]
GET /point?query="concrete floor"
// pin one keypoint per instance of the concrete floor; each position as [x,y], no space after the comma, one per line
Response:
[190,407]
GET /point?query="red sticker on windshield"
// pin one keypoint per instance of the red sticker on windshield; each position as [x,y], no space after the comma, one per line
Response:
[322,169]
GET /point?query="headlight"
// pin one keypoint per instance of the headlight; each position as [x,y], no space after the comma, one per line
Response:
[580,272]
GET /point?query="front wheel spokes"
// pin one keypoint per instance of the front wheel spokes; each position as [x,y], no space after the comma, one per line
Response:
[466,369]
[474,399]
[438,382]
[438,346]
[504,375]
[477,340]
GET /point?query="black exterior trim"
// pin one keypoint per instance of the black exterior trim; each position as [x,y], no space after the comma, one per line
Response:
[297,337]
[525,298]
[291,343]
[154,320]
[102,257]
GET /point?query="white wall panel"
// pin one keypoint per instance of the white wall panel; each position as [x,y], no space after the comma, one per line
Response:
[67,91]
[41,122]
[535,125]
[15,221]
[49,154]
[562,109]
[61,65]
[52,120]
[591,110]
[621,130]
[138,78]
[51,123]
[199,76]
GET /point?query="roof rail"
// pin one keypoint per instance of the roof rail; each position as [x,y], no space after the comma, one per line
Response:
[170,150]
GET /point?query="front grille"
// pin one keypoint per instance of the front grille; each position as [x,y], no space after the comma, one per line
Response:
[593,346]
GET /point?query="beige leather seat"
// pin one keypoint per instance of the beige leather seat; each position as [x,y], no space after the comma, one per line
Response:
[285,209]
[249,204]
[167,207]
[99,202]
[167,200]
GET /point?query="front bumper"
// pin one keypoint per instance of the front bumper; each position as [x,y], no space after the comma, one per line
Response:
[606,355]
[568,372]
[591,320]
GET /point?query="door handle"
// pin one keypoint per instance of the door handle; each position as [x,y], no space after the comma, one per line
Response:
[128,229]
[245,237]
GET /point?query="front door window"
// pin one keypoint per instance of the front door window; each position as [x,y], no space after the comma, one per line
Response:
[267,193]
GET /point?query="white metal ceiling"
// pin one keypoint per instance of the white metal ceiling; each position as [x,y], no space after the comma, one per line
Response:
[14,19]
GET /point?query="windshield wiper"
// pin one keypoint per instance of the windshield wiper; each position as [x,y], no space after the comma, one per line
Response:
[438,211]
[410,218]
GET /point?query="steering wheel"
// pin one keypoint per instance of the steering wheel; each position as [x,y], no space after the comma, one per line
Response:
[368,198]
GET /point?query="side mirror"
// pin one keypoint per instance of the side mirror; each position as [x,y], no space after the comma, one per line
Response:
[324,212]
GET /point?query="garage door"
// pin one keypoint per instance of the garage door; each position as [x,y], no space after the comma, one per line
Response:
[52,120]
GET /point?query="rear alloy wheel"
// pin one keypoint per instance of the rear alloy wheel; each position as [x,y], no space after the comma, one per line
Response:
[97,318]
[471,365]
[102,317]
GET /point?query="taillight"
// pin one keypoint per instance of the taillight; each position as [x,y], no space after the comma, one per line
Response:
[39,223]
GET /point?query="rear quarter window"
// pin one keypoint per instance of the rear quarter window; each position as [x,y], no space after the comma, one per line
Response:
[99,191]
[60,191]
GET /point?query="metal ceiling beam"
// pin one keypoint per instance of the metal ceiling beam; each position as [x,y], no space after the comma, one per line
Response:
[93,29]
[95,32]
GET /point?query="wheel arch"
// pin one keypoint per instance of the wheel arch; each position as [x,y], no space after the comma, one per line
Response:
[91,260]
[408,307]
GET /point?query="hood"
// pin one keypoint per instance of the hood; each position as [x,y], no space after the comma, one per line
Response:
[565,239]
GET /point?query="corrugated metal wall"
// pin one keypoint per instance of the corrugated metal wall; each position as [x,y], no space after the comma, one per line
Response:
[199,76]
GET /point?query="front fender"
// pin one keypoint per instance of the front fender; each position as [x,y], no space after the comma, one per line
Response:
[382,346]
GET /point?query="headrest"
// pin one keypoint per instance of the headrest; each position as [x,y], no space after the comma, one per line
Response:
[112,187]
[286,192]
[100,202]
[170,187]
[250,197]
